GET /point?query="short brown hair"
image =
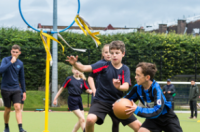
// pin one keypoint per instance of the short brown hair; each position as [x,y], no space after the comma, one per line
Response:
[15,46]
[117,45]
[148,69]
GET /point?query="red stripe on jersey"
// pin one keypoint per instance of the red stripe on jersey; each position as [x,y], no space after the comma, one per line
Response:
[99,69]
[122,76]
[67,83]
[85,85]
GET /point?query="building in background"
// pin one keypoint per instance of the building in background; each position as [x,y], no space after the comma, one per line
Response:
[103,30]
[189,25]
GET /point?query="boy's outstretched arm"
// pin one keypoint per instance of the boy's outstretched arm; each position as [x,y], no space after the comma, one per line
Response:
[83,68]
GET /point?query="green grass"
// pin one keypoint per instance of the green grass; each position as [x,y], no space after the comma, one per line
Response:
[65,121]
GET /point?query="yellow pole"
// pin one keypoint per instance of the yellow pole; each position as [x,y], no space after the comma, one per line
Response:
[47,88]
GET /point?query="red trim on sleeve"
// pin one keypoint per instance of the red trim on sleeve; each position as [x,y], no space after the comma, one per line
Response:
[99,69]
[85,85]
[122,76]
[67,83]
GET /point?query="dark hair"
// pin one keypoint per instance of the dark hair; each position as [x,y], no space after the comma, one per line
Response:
[15,46]
[192,80]
[117,45]
[102,50]
[148,69]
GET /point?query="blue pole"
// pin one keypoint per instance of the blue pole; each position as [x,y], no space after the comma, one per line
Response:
[54,54]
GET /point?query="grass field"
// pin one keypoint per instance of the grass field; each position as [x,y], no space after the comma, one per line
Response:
[65,121]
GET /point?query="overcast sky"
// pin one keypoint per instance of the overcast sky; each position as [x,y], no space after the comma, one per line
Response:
[119,13]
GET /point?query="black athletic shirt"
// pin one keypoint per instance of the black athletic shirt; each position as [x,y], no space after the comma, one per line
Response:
[96,74]
[75,87]
[106,92]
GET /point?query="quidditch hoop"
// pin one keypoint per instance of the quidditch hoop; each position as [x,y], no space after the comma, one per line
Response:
[52,32]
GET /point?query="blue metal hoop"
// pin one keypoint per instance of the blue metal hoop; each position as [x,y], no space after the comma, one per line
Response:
[52,32]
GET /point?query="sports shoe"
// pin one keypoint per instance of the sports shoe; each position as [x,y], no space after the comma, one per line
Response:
[190,117]
[22,130]
[194,117]
[6,130]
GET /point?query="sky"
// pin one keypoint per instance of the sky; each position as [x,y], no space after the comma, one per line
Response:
[119,13]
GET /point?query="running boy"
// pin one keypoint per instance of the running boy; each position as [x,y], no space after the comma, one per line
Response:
[158,112]
[114,78]
[105,57]
[75,85]
[12,70]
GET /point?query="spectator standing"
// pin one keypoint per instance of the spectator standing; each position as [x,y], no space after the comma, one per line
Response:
[193,96]
[168,91]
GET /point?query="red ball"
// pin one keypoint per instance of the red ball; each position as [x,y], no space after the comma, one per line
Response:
[120,107]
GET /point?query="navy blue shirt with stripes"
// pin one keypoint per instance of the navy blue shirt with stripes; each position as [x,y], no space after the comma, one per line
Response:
[95,75]
[12,74]
[153,99]
[106,91]
[75,87]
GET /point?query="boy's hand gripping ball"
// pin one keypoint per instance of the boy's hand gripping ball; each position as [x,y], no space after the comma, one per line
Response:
[119,108]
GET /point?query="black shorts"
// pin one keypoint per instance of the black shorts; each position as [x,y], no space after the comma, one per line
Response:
[101,109]
[168,122]
[75,102]
[22,102]
[11,96]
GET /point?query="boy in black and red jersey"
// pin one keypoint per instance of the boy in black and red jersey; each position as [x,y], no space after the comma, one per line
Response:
[114,78]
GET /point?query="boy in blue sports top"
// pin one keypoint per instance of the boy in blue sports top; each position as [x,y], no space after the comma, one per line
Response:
[105,57]
[75,85]
[114,78]
[157,111]
[12,70]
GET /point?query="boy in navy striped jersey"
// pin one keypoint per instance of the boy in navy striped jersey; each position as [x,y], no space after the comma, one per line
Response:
[114,78]
[157,111]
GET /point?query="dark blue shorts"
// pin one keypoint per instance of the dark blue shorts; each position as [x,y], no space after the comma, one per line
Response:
[75,102]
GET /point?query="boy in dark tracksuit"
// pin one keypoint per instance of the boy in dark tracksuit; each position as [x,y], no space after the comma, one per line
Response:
[157,111]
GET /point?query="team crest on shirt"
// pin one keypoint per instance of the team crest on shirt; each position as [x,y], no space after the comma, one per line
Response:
[159,102]
[119,77]
[81,86]
[18,66]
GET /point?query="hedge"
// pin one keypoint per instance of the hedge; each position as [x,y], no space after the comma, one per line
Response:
[174,54]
